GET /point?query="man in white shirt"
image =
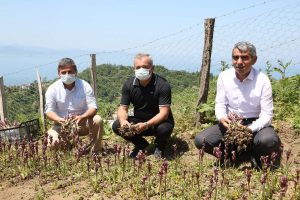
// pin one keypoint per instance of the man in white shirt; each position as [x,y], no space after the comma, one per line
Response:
[70,95]
[246,91]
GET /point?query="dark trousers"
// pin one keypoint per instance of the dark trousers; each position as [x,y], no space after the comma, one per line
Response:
[161,132]
[265,141]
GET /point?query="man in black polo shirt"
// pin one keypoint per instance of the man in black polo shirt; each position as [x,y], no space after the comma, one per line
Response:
[150,96]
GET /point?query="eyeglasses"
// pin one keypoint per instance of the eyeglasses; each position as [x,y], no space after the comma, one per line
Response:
[244,58]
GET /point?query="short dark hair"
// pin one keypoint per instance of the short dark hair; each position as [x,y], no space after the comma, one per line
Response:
[66,61]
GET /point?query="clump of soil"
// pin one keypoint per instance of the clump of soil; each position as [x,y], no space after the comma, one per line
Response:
[69,126]
[128,131]
[238,135]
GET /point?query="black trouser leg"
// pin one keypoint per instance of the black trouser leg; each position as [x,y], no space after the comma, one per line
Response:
[210,138]
[161,132]
[265,142]
[137,140]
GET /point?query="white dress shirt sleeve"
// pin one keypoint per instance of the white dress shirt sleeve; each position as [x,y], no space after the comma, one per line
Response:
[221,99]
[50,105]
[90,97]
[266,103]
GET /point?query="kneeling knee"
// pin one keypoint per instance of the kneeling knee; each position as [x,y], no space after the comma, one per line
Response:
[199,139]
[268,142]
[98,120]
[115,127]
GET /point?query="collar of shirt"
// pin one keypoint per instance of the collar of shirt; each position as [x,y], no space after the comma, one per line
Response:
[249,77]
[73,89]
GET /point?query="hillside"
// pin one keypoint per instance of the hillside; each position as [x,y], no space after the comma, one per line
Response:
[23,102]
[110,79]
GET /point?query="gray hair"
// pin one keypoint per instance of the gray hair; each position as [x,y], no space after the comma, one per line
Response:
[65,62]
[246,46]
[143,55]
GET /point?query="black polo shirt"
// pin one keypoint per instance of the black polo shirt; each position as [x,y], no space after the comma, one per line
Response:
[146,100]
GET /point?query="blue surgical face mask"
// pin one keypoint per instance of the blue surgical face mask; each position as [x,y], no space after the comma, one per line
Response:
[142,74]
[68,78]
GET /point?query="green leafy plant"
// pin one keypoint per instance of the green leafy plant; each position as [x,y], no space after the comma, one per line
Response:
[282,68]
[224,66]
[208,110]
[269,70]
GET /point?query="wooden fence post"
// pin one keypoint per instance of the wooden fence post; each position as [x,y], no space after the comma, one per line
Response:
[39,82]
[205,67]
[93,74]
[2,100]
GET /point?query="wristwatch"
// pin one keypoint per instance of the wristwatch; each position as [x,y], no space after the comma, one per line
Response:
[147,125]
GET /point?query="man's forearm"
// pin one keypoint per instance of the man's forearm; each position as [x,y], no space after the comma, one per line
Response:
[261,122]
[89,113]
[159,117]
[220,110]
[122,114]
[53,116]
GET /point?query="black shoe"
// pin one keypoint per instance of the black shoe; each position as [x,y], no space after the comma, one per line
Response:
[254,164]
[134,152]
[219,163]
[157,153]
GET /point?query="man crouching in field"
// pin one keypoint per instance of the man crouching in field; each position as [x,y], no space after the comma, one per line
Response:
[71,96]
[243,102]
[150,95]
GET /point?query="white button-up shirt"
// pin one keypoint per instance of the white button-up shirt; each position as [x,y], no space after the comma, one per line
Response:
[63,101]
[251,98]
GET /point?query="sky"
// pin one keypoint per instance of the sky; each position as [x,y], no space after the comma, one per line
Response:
[34,31]
[102,24]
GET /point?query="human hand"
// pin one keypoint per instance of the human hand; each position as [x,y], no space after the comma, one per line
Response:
[141,126]
[225,122]
[60,120]
[79,118]
[124,122]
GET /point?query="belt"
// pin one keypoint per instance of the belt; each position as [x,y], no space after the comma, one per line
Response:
[247,121]
[250,119]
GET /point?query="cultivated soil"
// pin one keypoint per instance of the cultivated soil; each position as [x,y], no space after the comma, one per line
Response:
[69,189]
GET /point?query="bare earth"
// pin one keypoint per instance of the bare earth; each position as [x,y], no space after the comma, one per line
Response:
[28,189]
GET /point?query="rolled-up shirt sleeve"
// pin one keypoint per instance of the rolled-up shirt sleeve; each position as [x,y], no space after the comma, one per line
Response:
[266,114]
[165,95]
[125,97]
[221,99]
[50,105]
[90,97]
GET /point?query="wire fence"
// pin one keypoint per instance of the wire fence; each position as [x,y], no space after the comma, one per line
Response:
[273,29]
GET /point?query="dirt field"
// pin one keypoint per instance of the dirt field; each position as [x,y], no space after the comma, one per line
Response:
[69,189]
